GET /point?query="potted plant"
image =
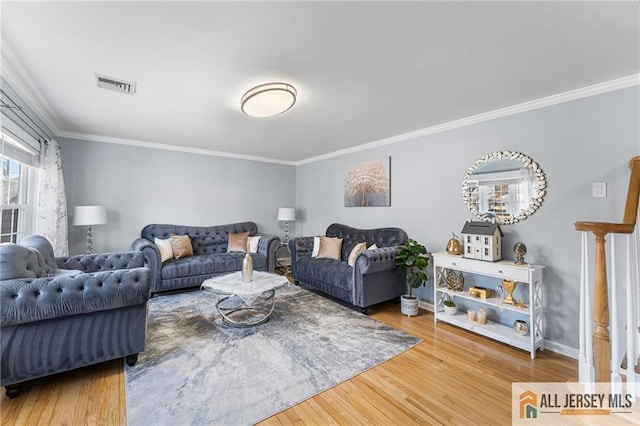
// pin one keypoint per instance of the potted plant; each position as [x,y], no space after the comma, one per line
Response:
[450,306]
[411,258]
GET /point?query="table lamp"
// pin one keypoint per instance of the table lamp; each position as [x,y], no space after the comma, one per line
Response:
[286,214]
[89,216]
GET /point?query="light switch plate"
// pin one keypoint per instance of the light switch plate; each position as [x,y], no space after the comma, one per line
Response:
[599,189]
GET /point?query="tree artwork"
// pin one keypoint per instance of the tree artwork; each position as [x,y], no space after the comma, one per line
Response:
[367,184]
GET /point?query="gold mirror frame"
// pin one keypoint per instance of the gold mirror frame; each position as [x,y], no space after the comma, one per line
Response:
[528,181]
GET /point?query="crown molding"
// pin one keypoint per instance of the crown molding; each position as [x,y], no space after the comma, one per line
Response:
[166,147]
[18,78]
[572,95]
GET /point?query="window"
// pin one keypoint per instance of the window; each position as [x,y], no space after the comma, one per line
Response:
[17,190]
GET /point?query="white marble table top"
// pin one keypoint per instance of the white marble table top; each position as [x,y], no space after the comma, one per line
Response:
[232,283]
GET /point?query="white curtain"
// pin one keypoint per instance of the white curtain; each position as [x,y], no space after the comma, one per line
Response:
[51,219]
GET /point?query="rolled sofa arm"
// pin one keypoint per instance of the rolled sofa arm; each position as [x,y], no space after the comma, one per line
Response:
[298,247]
[377,260]
[267,247]
[151,258]
[24,300]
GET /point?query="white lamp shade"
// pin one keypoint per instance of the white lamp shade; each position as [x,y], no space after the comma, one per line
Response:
[286,213]
[89,215]
[268,99]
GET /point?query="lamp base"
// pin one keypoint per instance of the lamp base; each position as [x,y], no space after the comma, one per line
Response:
[286,231]
[89,239]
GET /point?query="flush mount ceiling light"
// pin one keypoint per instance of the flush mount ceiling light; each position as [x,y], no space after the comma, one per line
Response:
[268,99]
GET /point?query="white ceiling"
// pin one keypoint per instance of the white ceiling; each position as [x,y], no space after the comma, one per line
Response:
[364,71]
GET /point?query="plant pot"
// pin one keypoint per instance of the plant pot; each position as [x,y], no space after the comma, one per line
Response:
[409,305]
[450,310]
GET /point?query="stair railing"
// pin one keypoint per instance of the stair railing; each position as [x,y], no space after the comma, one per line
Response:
[596,361]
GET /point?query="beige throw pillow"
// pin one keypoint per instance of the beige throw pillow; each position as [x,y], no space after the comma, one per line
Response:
[355,251]
[238,242]
[330,248]
[164,246]
[181,246]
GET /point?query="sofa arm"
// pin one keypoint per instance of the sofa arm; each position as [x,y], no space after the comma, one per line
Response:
[301,246]
[102,261]
[25,300]
[377,260]
[267,247]
[152,259]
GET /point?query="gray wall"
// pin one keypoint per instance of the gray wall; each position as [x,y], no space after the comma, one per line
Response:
[139,186]
[576,143]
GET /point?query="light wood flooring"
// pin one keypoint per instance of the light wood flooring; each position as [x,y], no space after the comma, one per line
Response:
[452,377]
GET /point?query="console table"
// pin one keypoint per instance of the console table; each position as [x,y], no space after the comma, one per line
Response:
[529,289]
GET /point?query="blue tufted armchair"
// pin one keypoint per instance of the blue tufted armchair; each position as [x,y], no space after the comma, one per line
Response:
[61,313]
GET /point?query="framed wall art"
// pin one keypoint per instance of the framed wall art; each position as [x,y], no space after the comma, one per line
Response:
[368,183]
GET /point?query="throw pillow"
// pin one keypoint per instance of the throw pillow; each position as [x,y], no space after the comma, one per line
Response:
[316,246]
[238,242]
[181,246]
[355,251]
[372,247]
[164,246]
[330,248]
[253,243]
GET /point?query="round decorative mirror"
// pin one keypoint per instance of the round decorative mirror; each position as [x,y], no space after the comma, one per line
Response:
[506,186]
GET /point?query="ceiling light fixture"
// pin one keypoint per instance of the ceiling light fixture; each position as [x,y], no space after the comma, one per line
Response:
[269,99]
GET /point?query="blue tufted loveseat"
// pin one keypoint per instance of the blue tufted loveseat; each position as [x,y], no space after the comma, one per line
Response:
[62,313]
[210,254]
[374,278]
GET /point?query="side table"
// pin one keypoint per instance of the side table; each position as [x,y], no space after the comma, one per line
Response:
[283,259]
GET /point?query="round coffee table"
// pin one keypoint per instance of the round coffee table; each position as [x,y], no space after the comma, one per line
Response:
[245,304]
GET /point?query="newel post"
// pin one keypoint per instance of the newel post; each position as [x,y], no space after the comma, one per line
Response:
[601,340]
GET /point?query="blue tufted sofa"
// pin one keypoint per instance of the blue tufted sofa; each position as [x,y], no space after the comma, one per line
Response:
[210,254]
[61,313]
[374,278]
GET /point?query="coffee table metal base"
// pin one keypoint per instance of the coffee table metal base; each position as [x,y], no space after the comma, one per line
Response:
[235,312]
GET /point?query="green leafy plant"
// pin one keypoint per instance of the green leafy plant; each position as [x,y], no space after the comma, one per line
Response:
[411,257]
[449,303]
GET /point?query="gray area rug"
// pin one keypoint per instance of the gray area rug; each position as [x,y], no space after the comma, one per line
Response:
[196,370]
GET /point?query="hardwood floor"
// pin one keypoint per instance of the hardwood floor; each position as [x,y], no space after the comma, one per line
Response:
[452,377]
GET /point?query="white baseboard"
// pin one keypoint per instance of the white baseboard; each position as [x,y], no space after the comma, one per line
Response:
[561,349]
[548,344]
[425,305]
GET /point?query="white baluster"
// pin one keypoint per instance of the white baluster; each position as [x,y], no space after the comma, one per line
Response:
[582,375]
[616,380]
[586,369]
[634,379]
[631,323]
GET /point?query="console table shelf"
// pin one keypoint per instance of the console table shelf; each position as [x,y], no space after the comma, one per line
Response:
[528,276]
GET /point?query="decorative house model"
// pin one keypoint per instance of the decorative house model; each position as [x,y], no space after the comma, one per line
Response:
[482,241]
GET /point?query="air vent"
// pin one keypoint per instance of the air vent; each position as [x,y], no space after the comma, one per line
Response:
[110,83]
